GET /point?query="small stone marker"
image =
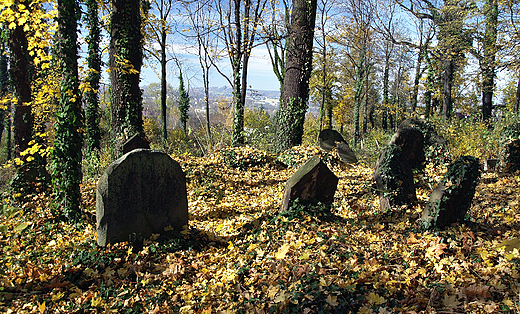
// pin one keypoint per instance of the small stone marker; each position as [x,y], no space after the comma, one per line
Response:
[490,165]
[140,193]
[329,138]
[346,154]
[394,179]
[135,142]
[311,182]
[451,199]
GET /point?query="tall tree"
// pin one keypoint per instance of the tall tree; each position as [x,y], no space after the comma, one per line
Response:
[453,40]
[4,90]
[160,28]
[488,57]
[275,35]
[92,131]
[19,67]
[126,57]
[240,20]
[68,140]
[184,102]
[325,13]
[295,92]
[202,26]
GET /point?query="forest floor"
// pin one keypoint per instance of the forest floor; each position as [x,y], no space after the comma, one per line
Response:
[238,255]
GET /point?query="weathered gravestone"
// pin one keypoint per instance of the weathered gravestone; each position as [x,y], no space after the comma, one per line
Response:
[430,135]
[140,193]
[135,142]
[451,199]
[394,178]
[312,182]
[330,139]
[411,142]
[511,156]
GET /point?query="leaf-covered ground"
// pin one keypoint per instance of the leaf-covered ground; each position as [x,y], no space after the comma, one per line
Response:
[239,256]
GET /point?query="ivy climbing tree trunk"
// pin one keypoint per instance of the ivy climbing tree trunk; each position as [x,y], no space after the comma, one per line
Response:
[4,89]
[23,119]
[68,141]
[126,58]
[295,91]
[92,132]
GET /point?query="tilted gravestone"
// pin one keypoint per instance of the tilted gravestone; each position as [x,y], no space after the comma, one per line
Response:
[330,139]
[451,199]
[394,178]
[140,193]
[411,142]
[312,182]
[135,142]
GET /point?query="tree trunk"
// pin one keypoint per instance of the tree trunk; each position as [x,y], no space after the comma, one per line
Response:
[125,64]
[93,134]
[386,75]
[68,140]
[488,62]
[360,78]
[295,93]
[517,98]
[447,82]
[23,119]
[164,85]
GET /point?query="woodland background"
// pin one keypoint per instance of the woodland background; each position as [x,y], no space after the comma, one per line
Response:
[360,66]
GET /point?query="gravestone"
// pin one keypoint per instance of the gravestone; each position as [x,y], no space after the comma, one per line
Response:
[490,165]
[330,139]
[312,182]
[394,178]
[140,193]
[346,154]
[135,142]
[451,199]
[511,156]
[411,142]
[431,137]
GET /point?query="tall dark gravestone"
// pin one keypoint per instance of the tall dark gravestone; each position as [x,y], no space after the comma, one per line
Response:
[141,193]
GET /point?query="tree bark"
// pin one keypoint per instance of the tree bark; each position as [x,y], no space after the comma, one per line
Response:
[125,63]
[488,61]
[295,93]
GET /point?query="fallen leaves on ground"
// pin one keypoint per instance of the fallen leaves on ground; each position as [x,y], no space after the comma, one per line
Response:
[239,255]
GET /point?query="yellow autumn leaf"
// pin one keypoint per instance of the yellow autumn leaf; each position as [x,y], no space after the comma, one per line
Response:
[41,307]
[282,251]
[375,299]
[97,302]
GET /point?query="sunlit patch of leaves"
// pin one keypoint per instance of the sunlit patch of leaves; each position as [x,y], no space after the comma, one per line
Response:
[238,254]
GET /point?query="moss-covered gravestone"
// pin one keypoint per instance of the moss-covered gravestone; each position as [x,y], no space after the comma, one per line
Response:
[451,199]
[394,178]
[312,182]
[141,193]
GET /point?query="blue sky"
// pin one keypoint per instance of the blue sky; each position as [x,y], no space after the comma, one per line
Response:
[260,72]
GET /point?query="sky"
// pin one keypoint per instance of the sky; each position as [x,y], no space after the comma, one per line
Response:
[260,72]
